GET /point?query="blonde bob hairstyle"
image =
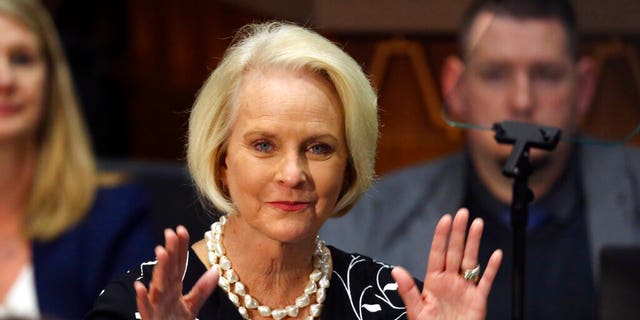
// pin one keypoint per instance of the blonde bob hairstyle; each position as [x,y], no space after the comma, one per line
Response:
[290,47]
[64,182]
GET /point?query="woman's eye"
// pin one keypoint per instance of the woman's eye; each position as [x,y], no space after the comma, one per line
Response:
[22,59]
[320,148]
[263,146]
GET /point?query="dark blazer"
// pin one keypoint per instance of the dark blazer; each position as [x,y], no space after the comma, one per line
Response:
[398,215]
[71,270]
[395,221]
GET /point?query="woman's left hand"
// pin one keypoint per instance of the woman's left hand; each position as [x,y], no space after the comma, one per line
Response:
[446,294]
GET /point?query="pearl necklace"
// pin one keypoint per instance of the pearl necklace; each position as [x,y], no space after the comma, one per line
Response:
[237,291]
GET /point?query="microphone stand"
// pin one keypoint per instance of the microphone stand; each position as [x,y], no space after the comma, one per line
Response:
[522,136]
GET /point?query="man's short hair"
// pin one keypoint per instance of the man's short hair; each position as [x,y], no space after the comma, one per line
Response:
[561,10]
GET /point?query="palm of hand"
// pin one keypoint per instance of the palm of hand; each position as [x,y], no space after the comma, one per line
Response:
[164,299]
[446,294]
[169,305]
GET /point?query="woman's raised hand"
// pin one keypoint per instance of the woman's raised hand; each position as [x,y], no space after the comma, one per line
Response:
[446,293]
[164,299]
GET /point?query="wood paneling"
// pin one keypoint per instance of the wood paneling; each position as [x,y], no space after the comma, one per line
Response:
[173,45]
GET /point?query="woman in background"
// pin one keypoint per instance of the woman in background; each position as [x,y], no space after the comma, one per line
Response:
[66,230]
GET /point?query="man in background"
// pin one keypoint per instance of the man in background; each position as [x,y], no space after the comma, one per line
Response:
[519,61]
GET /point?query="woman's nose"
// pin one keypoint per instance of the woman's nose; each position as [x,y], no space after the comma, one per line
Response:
[7,76]
[292,171]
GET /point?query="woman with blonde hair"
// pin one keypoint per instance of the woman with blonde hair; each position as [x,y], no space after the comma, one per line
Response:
[281,138]
[66,229]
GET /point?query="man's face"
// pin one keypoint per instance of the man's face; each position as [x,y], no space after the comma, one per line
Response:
[517,69]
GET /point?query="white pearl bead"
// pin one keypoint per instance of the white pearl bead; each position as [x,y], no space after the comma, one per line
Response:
[243,312]
[213,258]
[223,283]
[216,227]
[234,298]
[231,276]
[315,309]
[310,288]
[239,289]
[321,295]
[315,275]
[264,311]
[324,282]
[219,249]
[250,302]
[302,301]
[278,314]
[292,311]
[225,263]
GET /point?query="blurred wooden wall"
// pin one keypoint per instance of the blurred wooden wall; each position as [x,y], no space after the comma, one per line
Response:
[172,46]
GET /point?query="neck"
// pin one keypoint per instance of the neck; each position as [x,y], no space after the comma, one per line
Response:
[274,271]
[17,163]
[17,166]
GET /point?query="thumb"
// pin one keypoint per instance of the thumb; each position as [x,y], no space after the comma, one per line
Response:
[408,290]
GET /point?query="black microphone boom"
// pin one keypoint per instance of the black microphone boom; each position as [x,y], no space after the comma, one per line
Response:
[522,136]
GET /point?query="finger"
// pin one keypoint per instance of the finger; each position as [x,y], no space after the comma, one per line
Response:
[142,300]
[490,273]
[158,281]
[409,292]
[470,258]
[173,253]
[202,290]
[456,241]
[163,287]
[183,251]
[438,251]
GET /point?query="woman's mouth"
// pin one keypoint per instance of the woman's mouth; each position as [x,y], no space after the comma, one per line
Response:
[7,109]
[290,206]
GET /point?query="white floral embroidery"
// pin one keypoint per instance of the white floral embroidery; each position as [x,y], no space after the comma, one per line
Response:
[148,263]
[358,305]
[154,262]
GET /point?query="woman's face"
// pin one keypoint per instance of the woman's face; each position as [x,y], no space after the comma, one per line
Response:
[22,80]
[287,154]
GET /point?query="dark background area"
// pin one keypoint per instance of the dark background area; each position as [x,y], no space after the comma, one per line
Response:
[138,65]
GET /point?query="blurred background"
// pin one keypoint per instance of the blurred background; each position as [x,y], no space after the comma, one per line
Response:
[138,64]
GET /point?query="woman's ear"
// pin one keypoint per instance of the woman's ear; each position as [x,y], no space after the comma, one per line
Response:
[451,92]
[587,83]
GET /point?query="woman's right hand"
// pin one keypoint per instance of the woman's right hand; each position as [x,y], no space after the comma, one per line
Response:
[164,299]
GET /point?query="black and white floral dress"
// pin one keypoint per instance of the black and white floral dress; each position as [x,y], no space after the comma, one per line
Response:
[361,288]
